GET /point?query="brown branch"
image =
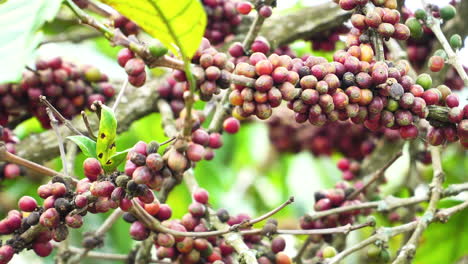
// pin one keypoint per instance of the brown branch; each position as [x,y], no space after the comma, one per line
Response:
[407,251]
[62,119]
[377,175]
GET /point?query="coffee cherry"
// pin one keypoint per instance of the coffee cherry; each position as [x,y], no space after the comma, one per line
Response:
[231,125]
[124,56]
[424,80]
[265,11]
[74,221]
[50,218]
[201,195]
[11,171]
[244,7]
[27,204]
[447,12]
[456,41]
[409,132]
[281,257]
[452,100]
[6,253]
[323,204]
[436,63]
[415,27]
[278,244]
[92,168]
[164,212]
[329,252]
[347,4]
[138,231]
[215,140]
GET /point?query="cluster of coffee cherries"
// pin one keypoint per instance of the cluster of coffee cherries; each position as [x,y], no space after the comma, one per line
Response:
[244,8]
[260,44]
[203,142]
[67,86]
[213,73]
[351,4]
[287,135]
[223,20]
[173,92]
[134,67]
[385,21]
[334,198]
[9,170]
[326,41]
[55,216]
[125,25]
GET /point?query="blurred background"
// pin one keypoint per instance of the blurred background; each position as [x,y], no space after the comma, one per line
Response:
[247,175]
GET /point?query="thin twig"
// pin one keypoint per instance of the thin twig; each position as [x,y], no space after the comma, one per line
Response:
[434,24]
[407,251]
[302,250]
[254,29]
[60,117]
[12,158]
[120,95]
[88,126]
[63,155]
[251,222]
[377,175]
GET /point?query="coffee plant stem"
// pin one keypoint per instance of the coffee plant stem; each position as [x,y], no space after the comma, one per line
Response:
[251,222]
[390,202]
[62,119]
[63,155]
[382,233]
[168,122]
[434,25]
[302,250]
[88,126]
[12,158]
[98,234]
[120,95]
[144,251]
[89,20]
[407,251]
[107,256]
[254,29]
[377,175]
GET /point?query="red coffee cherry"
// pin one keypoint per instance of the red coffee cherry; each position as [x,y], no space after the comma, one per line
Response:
[92,168]
[244,8]
[27,204]
[201,195]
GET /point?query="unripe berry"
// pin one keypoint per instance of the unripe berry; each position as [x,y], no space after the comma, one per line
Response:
[448,12]
[415,27]
[281,257]
[329,252]
[197,209]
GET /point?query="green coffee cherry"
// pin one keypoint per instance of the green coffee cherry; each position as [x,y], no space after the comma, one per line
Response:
[373,251]
[424,80]
[420,14]
[456,41]
[415,27]
[329,252]
[448,12]
[441,53]
[157,49]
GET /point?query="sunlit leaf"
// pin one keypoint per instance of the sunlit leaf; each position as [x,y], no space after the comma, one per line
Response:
[21,21]
[105,147]
[177,22]
[116,160]
[87,145]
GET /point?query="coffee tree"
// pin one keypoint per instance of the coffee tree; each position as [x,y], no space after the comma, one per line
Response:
[208,71]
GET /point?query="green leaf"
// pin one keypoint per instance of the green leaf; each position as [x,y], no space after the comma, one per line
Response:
[176,22]
[116,160]
[105,147]
[87,145]
[21,21]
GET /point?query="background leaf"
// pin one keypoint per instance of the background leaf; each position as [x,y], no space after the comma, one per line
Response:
[87,145]
[177,22]
[105,146]
[21,21]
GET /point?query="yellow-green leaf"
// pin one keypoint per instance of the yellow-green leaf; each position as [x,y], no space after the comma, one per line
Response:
[174,22]
[115,160]
[105,146]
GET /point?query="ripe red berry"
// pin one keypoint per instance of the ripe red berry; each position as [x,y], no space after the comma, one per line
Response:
[231,125]
[201,195]
[215,140]
[11,171]
[436,63]
[409,132]
[343,164]
[452,100]
[27,204]
[138,231]
[165,212]
[195,152]
[50,218]
[134,67]
[265,11]
[123,56]
[6,253]
[278,244]
[92,168]
[244,7]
